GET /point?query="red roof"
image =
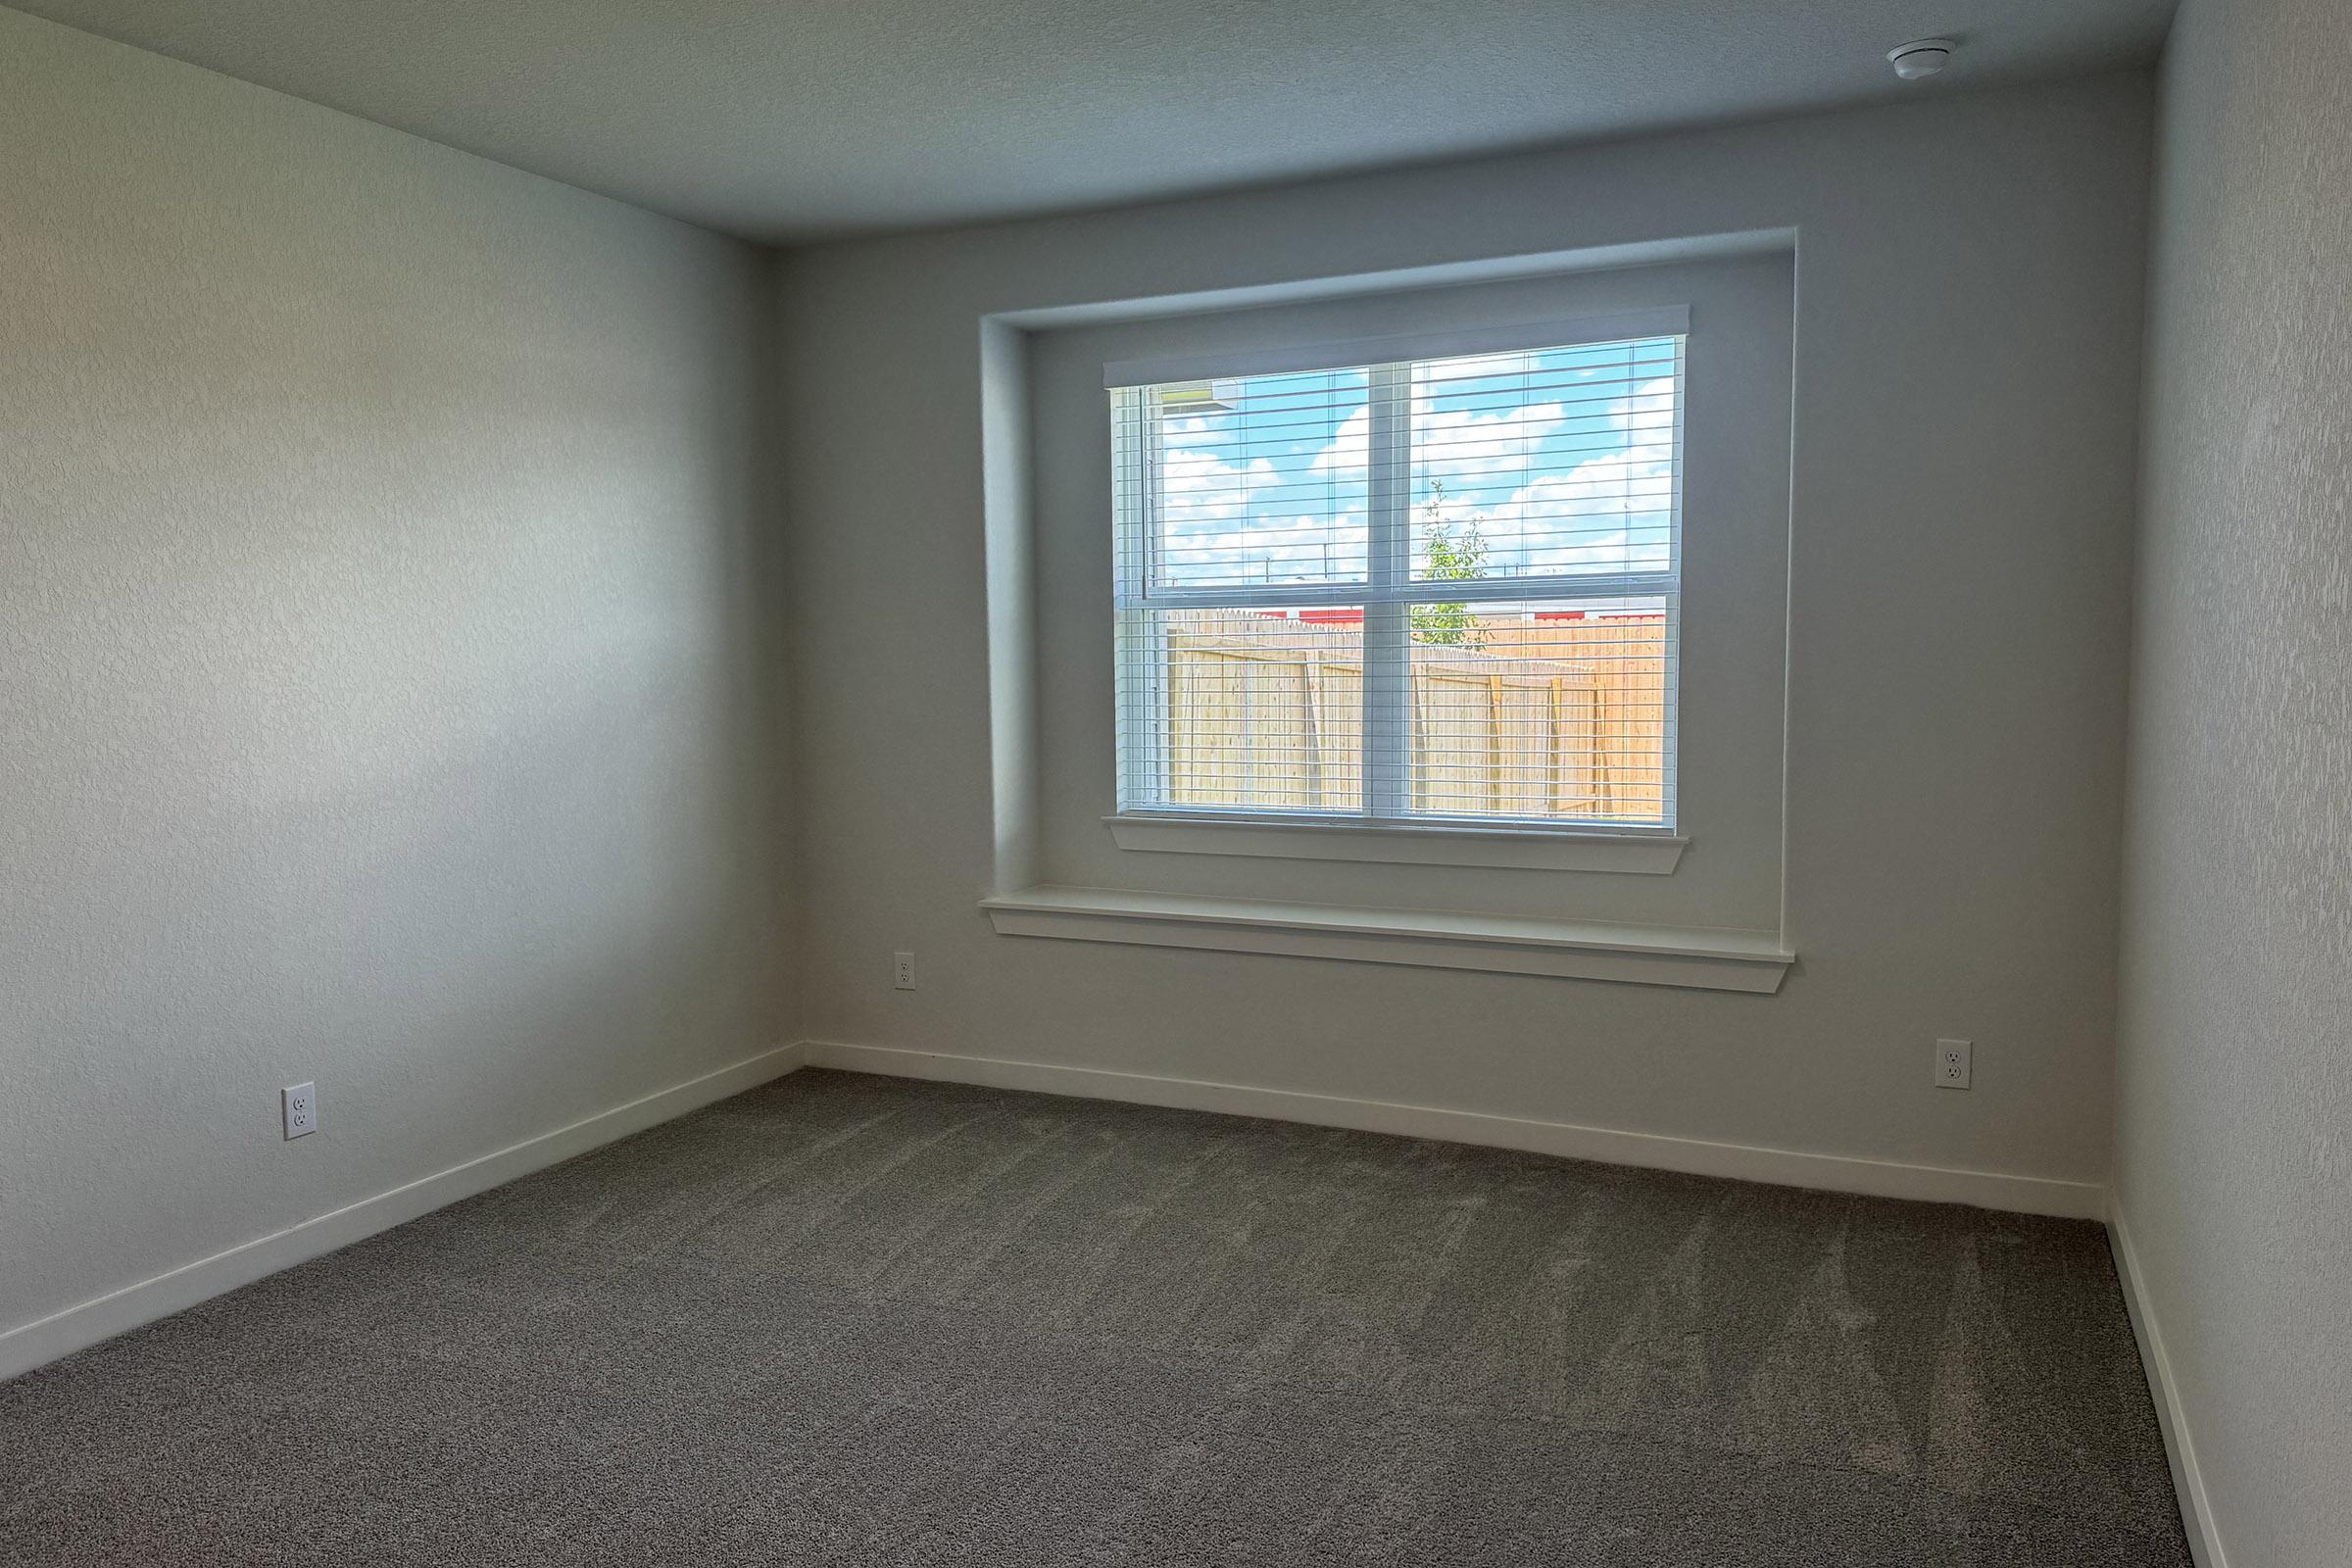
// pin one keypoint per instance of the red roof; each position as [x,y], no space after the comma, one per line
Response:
[1352,617]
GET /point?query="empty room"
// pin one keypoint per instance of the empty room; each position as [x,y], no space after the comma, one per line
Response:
[1273,782]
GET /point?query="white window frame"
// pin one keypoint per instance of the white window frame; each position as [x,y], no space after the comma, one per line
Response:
[1386,829]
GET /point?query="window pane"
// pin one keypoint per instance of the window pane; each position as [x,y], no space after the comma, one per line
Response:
[1541,710]
[1259,480]
[1549,461]
[1252,709]
[1237,494]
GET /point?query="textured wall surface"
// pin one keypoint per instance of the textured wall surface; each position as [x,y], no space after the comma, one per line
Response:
[378,672]
[1966,410]
[2235,1102]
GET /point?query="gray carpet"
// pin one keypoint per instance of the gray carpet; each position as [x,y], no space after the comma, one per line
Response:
[847,1320]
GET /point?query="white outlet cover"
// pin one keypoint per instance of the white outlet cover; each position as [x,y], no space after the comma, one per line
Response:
[903,970]
[298,1106]
[1953,1063]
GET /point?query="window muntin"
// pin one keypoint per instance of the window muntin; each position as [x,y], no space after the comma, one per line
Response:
[1444,589]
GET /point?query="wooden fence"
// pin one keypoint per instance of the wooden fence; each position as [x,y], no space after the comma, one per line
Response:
[1532,718]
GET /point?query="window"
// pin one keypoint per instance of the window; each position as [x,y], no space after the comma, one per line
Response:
[1439,582]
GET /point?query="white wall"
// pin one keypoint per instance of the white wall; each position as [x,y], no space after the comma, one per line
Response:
[380,697]
[2233,1157]
[1969,287]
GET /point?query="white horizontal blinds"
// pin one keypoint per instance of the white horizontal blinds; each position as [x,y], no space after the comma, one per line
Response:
[1436,589]
[1555,461]
[1260,711]
[1260,481]
[1557,711]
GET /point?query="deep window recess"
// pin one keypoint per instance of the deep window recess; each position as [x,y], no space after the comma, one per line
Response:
[1426,588]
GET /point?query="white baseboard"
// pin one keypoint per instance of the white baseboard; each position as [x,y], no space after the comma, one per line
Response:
[2024,1195]
[76,1328]
[2189,1481]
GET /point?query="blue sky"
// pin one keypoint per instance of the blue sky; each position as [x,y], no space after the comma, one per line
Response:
[1563,457]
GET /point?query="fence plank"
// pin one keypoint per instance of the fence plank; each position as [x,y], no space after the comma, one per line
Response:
[1530,719]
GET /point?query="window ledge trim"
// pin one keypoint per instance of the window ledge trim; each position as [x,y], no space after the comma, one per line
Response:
[1710,959]
[1506,846]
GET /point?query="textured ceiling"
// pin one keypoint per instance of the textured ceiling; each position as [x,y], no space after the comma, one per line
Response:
[794,119]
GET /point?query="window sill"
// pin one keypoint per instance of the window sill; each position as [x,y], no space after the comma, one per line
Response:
[1653,854]
[1709,959]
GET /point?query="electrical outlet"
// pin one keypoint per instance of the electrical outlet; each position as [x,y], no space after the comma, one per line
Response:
[902,974]
[299,1107]
[1951,1064]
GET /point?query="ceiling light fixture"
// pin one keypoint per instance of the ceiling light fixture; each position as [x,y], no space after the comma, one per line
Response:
[1922,59]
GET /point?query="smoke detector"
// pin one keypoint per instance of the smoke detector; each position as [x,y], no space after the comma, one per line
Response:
[1925,58]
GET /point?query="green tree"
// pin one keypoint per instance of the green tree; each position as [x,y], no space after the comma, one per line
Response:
[1451,560]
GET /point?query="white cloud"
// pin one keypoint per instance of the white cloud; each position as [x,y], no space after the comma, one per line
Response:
[1202,487]
[1350,449]
[1610,512]
[1208,536]
[1452,446]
